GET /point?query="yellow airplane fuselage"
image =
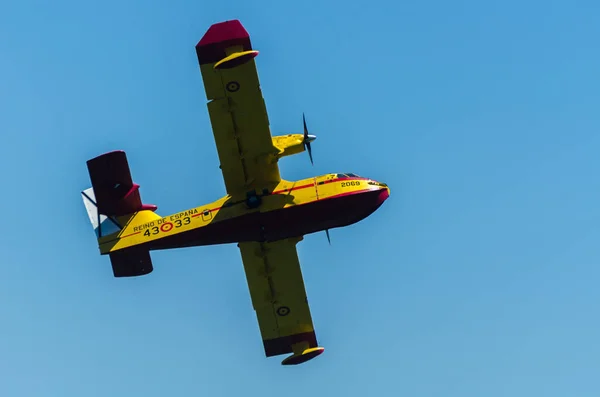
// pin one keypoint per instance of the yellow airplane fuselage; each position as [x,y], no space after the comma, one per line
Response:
[286,209]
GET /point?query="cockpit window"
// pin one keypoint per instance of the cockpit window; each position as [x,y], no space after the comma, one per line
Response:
[347,175]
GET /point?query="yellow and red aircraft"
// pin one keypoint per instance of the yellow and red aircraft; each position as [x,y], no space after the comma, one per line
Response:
[264,214]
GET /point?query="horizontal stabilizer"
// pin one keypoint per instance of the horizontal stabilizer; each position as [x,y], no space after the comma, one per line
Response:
[131,263]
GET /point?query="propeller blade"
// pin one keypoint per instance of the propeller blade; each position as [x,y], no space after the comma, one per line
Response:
[309,150]
[305,129]
[327,233]
[308,139]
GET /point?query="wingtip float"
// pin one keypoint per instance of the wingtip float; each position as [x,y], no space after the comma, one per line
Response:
[303,356]
[263,213]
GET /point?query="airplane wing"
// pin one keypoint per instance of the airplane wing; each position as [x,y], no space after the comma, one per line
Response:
[237,109]
[279,299]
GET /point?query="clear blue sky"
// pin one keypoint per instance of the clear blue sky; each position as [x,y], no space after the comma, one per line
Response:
[478,277]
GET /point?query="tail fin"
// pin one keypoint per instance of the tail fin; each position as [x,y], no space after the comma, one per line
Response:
[114,189]
[111,202]
[113,198]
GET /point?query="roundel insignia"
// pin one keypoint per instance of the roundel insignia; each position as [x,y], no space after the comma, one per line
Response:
[165,227]
[283,311]
[232,86]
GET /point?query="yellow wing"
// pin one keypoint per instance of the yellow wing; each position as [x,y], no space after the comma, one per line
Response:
[279,298]
[237,109]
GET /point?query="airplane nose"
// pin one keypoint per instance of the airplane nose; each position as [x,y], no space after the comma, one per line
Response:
[386,192]
[311,138]
[380,184]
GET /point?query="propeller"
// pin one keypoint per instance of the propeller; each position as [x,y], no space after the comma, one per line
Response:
[307,140]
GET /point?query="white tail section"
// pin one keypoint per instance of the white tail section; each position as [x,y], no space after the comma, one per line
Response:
[102,224]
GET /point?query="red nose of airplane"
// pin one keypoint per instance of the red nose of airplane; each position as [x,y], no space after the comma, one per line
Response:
[384,193]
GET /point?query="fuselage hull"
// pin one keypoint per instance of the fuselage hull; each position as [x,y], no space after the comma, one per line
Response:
[299,220]
[288,209]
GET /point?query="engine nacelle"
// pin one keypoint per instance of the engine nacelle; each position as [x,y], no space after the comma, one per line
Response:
[288,144]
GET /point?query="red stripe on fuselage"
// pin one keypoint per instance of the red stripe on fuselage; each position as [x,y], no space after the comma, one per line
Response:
[293,188]
[128,235]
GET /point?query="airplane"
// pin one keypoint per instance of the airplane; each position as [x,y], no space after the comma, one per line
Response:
[265,215]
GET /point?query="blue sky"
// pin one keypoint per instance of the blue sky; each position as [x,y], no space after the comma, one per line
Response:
[479,276]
